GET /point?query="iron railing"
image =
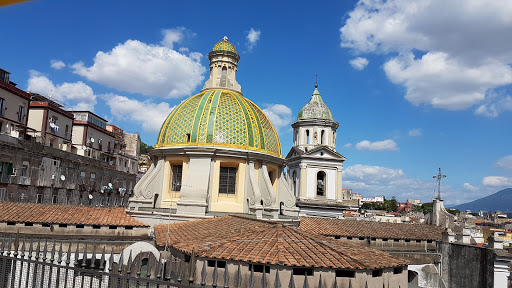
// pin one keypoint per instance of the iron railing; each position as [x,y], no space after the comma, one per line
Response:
[48,265]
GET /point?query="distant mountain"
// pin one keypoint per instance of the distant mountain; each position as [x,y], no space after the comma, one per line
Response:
[499,201]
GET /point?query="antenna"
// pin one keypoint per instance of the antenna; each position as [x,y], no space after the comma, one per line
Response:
[439,177]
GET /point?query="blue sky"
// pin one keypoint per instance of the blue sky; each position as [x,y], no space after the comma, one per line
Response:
[415,85]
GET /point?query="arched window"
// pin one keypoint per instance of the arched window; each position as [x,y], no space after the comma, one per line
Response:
[307,136]
[294,181]
[224,77]
[322,137]
[320,184]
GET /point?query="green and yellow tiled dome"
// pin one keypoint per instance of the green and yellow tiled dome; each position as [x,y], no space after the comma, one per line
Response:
[224,45]
[221,118]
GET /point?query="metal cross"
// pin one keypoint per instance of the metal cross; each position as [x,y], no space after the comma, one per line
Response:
[439,177]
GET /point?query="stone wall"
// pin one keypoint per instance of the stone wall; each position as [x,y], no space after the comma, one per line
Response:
[48,175]
[465,266]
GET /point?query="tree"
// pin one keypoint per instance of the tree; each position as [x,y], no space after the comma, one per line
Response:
[144,148]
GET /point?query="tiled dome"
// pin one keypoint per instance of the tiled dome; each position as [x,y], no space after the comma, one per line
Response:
[222,118]
[224,45]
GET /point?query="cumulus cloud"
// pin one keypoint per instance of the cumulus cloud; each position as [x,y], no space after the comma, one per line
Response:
[505,163]
[386,145]
[359,63]
[147,69]
[149,114]
[78,95]
[57,64]
[279,114]
[443,55]
[348,145]
[252,38]
[415,132]
[172,36]
[497,181]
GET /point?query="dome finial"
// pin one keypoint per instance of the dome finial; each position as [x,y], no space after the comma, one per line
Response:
[225,38]
[316,81]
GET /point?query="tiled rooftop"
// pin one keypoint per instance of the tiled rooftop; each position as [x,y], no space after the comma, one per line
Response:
[355,228]
[256,241]
[66,214]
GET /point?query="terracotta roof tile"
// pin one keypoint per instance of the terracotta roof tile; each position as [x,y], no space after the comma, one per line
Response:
[249,240]
[356,228]
[66,214]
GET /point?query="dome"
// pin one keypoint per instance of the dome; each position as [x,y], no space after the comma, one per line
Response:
[224,45]
[315,108]
[221,118]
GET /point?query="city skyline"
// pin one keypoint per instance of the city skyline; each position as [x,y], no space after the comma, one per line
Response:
[408,99]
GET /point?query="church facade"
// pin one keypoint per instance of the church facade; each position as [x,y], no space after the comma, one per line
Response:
[217,152]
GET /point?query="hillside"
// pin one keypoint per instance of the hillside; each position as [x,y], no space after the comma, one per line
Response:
[499,201]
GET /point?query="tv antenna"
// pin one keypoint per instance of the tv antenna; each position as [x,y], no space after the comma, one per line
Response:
[439,177]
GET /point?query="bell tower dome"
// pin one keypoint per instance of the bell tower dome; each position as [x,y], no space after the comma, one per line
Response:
[223,66]
[315,126]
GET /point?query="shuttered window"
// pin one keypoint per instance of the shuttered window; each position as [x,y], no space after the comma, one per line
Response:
[177,173]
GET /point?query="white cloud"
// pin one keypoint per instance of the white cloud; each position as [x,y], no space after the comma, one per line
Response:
[494,104]
[150,70]
[386,145]
[348,145]
[57,64]
[415,132]
[77,94]
[470,187]
[149,114]
[497,181]
[252,38]
[279,114]
[172,36]
[505,163]
[359,63]
[457,61]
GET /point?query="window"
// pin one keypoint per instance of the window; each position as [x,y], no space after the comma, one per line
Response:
[259,268]
[303,271]
[54,199]
[2,101]
[345,273]
[322,137]
[224,77]
[320,184]
[307,136]
[21,111]
[227,181]
[220,264]
[39,198]
[2,193]
[377,273]
[294,178]
[177,173]
[398,270]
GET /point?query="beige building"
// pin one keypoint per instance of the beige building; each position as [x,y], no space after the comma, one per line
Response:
[14,104]
[52,125]
[217,152]
[126,150]
[91,137]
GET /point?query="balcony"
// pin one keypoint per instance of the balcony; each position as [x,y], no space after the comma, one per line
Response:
[22,180]
[4,178]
